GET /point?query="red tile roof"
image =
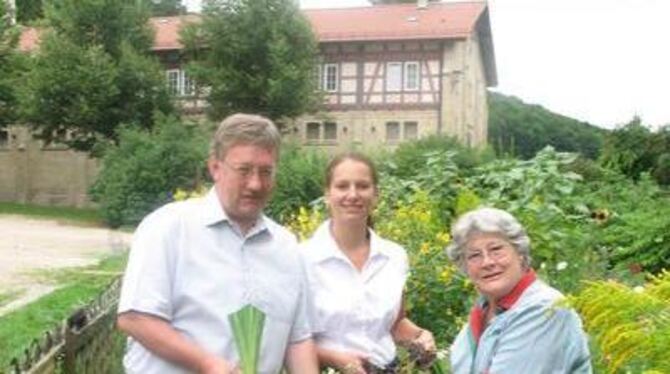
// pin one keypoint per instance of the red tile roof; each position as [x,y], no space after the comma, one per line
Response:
[396,22]
[167,31]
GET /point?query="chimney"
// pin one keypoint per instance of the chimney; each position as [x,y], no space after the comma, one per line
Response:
[421,4]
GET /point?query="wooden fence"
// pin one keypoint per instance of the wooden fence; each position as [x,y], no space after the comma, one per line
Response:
[86,342]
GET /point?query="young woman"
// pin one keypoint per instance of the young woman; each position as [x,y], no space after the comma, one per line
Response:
[356,278]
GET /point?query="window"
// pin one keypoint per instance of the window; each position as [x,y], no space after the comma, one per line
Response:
[330,131]
[313,131]
[330,77]
[402,76]
[392,131]
[4,138]
[411,76]
[411,130]
[179,83]
[318,132]
[393,76]
[173,81]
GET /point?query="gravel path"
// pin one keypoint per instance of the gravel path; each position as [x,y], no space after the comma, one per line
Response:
[28,244]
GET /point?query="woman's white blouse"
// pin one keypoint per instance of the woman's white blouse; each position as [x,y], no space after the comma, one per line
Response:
[354,311]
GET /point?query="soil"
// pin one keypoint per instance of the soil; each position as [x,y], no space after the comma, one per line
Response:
[28,245]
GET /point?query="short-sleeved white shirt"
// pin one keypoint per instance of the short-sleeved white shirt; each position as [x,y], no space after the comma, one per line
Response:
[192,267]
[354,311]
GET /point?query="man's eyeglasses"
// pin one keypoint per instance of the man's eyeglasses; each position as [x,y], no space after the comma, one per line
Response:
[245,171]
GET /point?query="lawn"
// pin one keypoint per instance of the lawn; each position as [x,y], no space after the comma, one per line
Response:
[77,287]
[70,215]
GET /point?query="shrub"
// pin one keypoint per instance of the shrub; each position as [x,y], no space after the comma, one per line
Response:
[630,326]
[299,180]
[140,173]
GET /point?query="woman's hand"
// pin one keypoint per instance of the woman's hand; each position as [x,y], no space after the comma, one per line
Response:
[351,364]
[422,349]
[425,340]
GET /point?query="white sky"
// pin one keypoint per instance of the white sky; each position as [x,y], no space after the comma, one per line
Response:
[601,61]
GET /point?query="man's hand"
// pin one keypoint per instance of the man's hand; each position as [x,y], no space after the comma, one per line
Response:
[217,365]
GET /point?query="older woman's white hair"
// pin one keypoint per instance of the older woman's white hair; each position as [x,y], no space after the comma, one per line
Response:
[489,221]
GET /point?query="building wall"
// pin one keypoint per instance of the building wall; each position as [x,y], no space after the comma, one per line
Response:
[367,128]
[53,175]
[463,106]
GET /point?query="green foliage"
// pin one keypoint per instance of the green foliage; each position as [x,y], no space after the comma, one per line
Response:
[260,57]
[92,74]
[140,172]
[409,156]
[519,129]
[634,231]
[299,180]
[28,11]
[437,294]
[631,327]
[161,8]
[8,64]
[634,149]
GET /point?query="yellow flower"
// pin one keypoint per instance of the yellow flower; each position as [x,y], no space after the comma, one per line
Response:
[445,275]
[425,248]
[443,238]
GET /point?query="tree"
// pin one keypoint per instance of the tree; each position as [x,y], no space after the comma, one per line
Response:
[8,59]
[260,57]
[93,73]
[521,129]
[28,10]
[162,8]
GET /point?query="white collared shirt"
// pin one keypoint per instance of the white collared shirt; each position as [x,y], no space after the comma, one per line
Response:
[191,266]
[354,311]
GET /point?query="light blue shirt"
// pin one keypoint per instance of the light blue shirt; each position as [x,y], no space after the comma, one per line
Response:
[190,265]
[535,336]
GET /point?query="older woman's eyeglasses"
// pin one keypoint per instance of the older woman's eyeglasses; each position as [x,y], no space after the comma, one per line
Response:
[495,252]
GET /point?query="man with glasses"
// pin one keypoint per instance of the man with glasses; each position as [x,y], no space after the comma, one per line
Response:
[193,263]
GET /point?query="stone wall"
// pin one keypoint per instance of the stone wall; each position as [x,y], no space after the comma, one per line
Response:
[51,175]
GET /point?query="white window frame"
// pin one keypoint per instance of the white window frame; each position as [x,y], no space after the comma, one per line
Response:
[394,82]
[331,85]
[172,78]
[407,78]
[179,83]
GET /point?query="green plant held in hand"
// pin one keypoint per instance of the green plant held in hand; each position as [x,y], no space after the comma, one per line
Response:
[247,324]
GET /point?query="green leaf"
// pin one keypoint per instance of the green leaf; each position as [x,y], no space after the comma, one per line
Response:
[247,324]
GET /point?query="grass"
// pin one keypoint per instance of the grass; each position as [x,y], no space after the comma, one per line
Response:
[72,215]
[77,287]
[8,297]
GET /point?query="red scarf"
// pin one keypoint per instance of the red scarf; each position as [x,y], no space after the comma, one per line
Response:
[477,314]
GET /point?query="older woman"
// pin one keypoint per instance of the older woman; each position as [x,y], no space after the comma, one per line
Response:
[516,325]
[356,278]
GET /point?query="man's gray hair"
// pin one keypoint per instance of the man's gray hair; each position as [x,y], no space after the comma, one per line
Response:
[244,128]
[489,221]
